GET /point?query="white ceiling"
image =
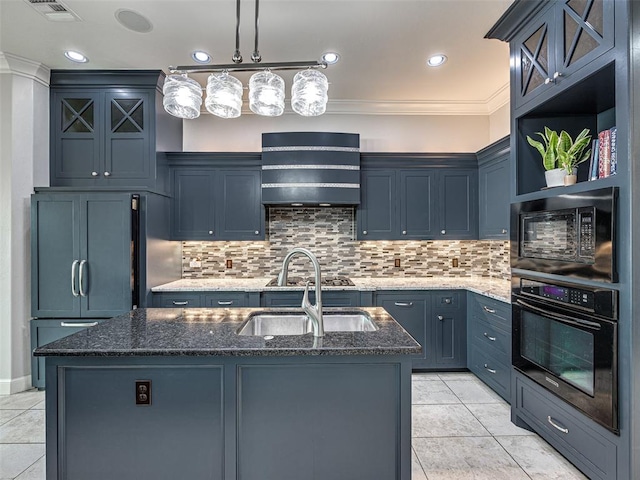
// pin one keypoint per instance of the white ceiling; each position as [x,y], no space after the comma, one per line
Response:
[383,45]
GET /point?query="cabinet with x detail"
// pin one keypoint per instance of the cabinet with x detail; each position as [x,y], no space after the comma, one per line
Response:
[103,132]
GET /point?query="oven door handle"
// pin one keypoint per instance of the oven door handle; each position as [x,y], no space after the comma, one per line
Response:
[560,317]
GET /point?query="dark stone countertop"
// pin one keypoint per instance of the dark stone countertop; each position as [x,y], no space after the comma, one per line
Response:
[212,332]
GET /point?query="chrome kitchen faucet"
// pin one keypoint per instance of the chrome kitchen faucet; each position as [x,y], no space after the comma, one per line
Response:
[313,311]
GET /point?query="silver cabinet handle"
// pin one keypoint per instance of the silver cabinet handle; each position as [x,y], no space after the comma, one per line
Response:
[443,232]
[447,300]
[404,232]
[490,370]
[107,174]
[228,302]
[256,232]
[210,232]
[547,81]
[78,324]
[74,292]
[403,304]
[440,317]
[364,232]
[504,230]
[94,174]
[488,310]
[556,426]
[185,302]
[493,339]
[83,292]
[556,75]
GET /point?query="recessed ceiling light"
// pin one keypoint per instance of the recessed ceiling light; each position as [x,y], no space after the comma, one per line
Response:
[75,56]
[436,60]
[201,57]
[330,57]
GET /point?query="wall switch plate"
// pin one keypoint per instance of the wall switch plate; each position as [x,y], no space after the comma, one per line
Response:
[195,263]
[397,262]
[143,392]
[229,263]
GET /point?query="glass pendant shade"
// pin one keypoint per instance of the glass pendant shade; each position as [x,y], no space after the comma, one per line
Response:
[224,95]
[266,94]
[182,96]
[309,93]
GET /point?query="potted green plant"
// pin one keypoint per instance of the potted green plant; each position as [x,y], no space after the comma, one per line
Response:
[561,154]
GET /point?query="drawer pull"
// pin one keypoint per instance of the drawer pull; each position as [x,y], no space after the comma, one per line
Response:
[490,370]
[440,317]
[78,324]
[493,339]
[447,300]
[228,302]
[185,302]
[403,304]
[556,426]
[488,310]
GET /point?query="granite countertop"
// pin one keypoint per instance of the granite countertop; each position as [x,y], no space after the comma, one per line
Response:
[497,289]
[212,332]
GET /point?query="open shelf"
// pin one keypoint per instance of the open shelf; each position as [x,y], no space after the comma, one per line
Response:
[587,104]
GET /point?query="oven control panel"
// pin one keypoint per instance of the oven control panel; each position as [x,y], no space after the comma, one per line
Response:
[558,293]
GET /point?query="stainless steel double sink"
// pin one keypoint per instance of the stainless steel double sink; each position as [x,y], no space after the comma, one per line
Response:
[298,323]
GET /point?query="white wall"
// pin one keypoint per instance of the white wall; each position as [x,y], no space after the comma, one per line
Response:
[378,133]
[499,124]
[24,159]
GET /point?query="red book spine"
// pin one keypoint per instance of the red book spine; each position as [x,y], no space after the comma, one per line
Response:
[604,161]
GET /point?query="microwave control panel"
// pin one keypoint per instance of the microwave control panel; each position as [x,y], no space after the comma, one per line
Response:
[587,241]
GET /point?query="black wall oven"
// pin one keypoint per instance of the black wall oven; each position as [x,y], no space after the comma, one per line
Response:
[565,339]
[571,234]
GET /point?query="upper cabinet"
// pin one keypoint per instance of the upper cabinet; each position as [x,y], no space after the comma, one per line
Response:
[562,40]
[417,197]
[494,182]
[216,197]
[107,128]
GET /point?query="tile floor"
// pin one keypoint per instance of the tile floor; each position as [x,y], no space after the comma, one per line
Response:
[461,430]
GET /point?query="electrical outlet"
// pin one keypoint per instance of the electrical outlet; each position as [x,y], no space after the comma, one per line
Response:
[143,392]
[397,262]
[229,263]
[195,263]
[454,263]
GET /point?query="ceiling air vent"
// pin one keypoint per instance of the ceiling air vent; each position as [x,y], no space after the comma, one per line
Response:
[53,10]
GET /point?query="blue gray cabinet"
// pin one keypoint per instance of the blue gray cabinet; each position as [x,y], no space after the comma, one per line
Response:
[106,128]
[80,255]
[562,40]
[47,331]
[217,299]
[489,342]
[436,320]
[418,197]
[494,182]
[212,201]
[330,298]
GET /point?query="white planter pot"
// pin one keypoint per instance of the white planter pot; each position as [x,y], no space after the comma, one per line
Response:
[555,177]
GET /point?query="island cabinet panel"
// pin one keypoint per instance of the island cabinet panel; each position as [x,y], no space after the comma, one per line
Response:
[489,342]
[46,331]
[330,298]
[307,405]
[179,435]
[81,258]
[564,39]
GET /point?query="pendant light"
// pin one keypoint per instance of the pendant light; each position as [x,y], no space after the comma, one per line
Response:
[224,95]
[182,96]
[309,93]
[266,94]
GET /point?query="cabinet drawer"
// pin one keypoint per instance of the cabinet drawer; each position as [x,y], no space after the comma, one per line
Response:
[492,311]
[447,299]
[492,371]
[225,300]
[570,434]
[177,300]
[294,298]
[486,335]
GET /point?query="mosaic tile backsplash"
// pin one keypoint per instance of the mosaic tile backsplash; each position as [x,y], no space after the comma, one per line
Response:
[330,234]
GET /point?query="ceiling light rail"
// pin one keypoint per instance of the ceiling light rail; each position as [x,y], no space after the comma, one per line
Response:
[239,67]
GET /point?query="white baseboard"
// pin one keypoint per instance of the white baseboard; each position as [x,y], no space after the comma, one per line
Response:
[7,387]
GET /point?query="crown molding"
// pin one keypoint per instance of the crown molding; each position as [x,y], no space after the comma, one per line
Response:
[15,65]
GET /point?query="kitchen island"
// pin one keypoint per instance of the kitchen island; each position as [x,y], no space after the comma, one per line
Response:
[177,393]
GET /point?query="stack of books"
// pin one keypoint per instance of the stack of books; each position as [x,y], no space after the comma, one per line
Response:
[604,155]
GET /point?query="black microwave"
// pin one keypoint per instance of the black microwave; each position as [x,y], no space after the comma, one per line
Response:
[571,235]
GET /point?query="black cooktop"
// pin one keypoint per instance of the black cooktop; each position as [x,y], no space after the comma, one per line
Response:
[326,282]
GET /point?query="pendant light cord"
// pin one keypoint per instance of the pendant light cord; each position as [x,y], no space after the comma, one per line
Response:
[237,56]
[255,56]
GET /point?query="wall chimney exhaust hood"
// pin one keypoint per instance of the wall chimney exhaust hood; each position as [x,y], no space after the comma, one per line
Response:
[310,169]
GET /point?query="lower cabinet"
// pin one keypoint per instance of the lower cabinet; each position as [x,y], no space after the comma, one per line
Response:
[219,299]
[45,331]
[588,446]
[489,342]
[330,298]
[437,321]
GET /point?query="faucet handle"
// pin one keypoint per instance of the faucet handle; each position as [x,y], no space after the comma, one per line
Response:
[305,298]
